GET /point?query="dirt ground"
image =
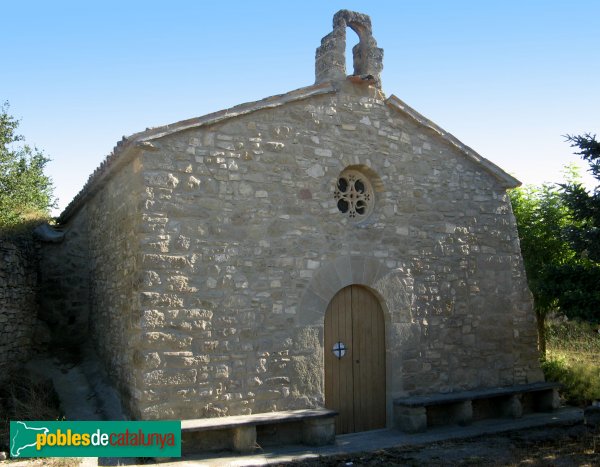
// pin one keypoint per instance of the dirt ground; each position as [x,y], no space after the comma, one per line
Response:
[561,446]
[556,446]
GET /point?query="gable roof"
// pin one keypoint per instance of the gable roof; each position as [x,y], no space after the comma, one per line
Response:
[126,148]
[507,181]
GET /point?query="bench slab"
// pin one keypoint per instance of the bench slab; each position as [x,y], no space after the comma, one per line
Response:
[266,418]
[316,428]
[448,398]
[415,413]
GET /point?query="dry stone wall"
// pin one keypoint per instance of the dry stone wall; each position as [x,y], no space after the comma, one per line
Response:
[18,306]
[65,284]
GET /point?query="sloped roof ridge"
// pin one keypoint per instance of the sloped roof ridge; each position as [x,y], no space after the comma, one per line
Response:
[143,139]
[124,148]
[507,180]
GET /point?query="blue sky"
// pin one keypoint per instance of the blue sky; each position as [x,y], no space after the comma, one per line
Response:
[508,78]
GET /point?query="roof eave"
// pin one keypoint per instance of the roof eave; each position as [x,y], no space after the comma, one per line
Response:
[125,148]
[505,179]
[129,146]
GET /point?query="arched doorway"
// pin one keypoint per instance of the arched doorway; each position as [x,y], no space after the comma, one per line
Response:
[355,360]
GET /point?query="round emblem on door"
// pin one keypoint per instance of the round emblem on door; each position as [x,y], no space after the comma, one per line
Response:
[339,349]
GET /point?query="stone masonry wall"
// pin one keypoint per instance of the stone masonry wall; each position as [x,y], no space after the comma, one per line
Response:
[65,284]
[18,307]
[243,247]
[113,223]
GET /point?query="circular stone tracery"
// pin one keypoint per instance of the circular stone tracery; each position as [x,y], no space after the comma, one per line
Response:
[354,195]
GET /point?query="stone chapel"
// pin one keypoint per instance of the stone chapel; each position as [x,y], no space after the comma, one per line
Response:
[328,247]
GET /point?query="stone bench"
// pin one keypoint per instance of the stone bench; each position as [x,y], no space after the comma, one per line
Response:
[415,413]
[244,433]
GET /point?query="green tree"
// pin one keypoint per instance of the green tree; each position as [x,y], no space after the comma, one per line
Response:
[577,284]
[541,216]
[25,191]
[585,206]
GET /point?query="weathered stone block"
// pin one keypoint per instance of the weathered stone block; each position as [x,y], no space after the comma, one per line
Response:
[410,419]
[548,401]
[591,416]
[318,432]
[512,407]
[170,377]
[461,413]
[166,340]
[244,438]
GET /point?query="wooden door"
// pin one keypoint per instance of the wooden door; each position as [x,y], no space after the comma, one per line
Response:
[355,360]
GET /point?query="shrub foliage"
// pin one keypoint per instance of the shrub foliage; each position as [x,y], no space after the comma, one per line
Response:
[25,191]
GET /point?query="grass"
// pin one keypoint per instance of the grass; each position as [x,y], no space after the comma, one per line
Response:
[25,226]
[23,398]
[573,359]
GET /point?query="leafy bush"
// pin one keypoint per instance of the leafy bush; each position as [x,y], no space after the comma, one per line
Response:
[25,191]
[576,289]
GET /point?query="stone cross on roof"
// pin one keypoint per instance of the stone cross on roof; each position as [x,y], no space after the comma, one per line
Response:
[330,61]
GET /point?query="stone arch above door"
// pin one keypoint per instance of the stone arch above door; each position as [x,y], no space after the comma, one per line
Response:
[333,276]
[393,288]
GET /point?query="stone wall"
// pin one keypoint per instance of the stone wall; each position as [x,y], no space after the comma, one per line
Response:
[113,221]
[206,252]
[65,285]
[243,246]
[18,307]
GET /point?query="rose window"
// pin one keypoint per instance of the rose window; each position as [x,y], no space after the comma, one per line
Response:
[354,195]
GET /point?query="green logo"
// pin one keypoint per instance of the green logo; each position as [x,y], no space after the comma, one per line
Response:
[95,439]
